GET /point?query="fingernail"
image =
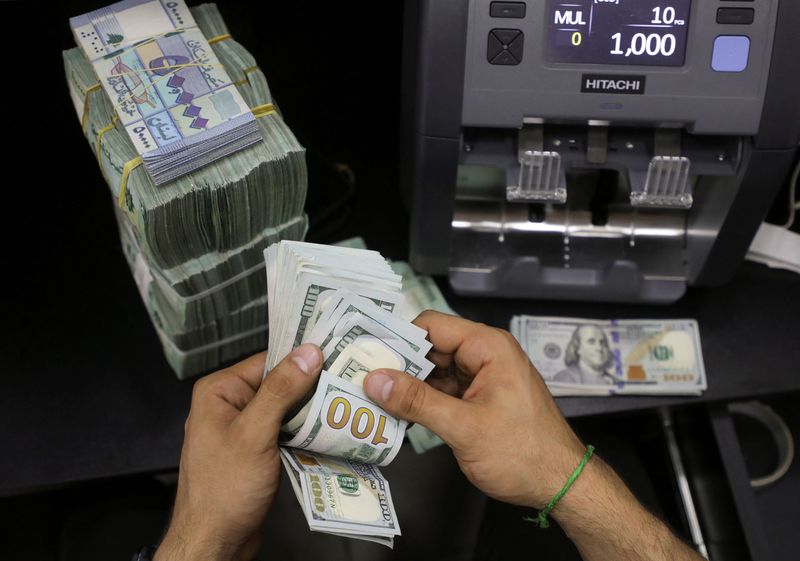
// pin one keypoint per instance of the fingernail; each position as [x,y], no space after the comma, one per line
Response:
[306,357]
[379,386]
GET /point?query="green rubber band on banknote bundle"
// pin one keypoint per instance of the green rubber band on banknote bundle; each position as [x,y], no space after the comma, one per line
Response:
[541,518]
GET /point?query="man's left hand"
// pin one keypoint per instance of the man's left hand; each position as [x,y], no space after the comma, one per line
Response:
[230,462]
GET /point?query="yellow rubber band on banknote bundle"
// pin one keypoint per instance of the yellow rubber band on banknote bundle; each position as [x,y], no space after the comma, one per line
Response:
[263,110]
[100,134]
[129,166]
[97,146]
[218,38]
[258,111]
[225,37]
[246,72]
[90,89]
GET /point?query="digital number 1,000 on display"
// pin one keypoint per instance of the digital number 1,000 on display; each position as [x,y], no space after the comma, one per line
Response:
[626,32]
[651,44]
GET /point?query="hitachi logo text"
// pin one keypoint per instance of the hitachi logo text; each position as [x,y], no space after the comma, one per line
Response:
[598,83]
[613,84]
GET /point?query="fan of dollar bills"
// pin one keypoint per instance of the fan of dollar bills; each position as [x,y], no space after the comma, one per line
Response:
[195,222]
[346,301]
[420,293]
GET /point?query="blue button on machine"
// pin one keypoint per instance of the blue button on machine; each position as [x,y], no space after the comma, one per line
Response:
[730,53]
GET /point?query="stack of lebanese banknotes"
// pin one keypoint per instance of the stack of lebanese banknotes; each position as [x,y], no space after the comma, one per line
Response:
[614,357]
[346,301]
[195,242]
[173,97]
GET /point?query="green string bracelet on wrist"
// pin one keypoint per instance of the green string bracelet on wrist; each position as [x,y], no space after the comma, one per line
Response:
[541,518]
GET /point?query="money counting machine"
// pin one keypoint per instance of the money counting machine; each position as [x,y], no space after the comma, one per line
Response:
[613,150]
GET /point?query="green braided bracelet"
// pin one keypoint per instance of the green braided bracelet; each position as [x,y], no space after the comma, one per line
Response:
[541,519]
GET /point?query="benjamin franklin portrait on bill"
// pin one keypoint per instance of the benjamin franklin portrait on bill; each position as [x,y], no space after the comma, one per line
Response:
[587,358]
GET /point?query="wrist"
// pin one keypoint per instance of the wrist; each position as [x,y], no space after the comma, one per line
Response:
[562,459]
[180,546]
[596,493]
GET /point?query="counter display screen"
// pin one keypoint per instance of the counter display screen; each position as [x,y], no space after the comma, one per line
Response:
[636,32]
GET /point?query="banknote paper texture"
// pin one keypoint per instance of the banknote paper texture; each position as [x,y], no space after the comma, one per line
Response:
[344,423]
[174,98]
[345,300]
[591,357]
[342,497]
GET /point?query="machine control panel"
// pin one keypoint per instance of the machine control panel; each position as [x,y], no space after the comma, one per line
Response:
[701,65]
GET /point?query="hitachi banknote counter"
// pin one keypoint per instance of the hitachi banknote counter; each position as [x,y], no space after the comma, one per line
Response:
[614,150]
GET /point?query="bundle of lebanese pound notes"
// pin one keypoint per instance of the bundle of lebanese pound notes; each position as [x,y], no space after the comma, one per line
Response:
[614,357]
[209,316]
[194,243]
[346,301]
[171,94]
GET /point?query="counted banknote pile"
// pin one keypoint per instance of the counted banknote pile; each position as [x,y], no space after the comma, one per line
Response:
[614,357]
[346,301]
[167,101]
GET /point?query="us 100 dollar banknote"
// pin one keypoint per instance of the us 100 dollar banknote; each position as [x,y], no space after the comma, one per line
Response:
[342,497]
[593,357]
[344,423]
[346,301]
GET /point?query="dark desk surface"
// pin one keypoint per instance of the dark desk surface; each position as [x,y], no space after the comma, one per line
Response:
[88,393]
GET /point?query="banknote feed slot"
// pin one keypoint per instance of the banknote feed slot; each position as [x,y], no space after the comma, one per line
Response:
[595,169]
[603,211]
[593,237]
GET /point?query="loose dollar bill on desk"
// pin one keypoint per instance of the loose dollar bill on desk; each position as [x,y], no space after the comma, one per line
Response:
[614,357]
[346,301]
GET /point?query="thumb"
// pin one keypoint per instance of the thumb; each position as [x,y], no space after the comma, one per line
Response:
[408,398]
[290,380]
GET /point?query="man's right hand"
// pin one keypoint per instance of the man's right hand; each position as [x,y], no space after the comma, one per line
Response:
[512,442]
[506,431]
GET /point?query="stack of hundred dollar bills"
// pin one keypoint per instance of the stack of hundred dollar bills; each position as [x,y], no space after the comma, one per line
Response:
[346,301]
[194,223]
[615,357]
[420,293]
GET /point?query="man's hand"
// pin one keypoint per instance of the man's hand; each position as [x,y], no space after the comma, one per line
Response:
[512,442]
[506,431]
[230,463]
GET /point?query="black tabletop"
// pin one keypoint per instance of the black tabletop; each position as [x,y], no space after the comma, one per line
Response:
[86,392]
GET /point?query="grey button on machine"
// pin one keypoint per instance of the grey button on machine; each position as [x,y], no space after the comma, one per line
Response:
[507,10]
[741,16]
[505,46]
